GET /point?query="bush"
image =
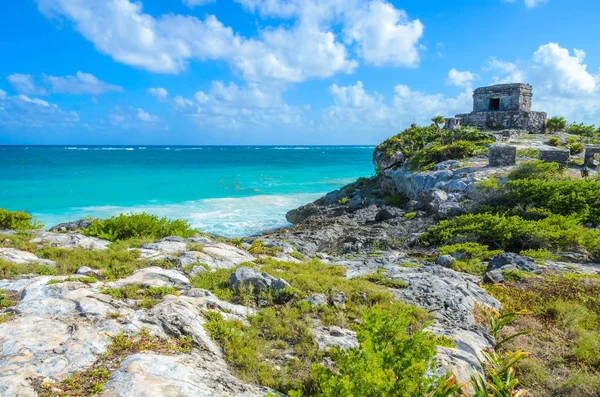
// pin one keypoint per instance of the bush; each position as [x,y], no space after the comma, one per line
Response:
[18,220]
[390,361]
[139,225]
[554,141]
[536,169]
[436,153]
[556,124]
[582,129]
[576,148]
[513,233]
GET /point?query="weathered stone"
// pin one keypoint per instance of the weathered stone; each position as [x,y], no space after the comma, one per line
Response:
[592,156]
[155,277]
[72,226]
[555,156]
[339,300]
[445,260]
[504,106]
[384,160]
[19,257]
[246,276]
[502,155]
[86,271]
[447,165]
[70,240]
[317,300]
[505,259]
[493,276]
[334,336]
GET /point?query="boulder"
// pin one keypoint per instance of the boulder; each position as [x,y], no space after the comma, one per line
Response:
[246,276]
[339,300]
[334,336]
[70,240]
[317,300]
[19,257]
[155,277]
[445,260]
[384,160]
[510,260]
[87,271]
[72,226]
[493,277]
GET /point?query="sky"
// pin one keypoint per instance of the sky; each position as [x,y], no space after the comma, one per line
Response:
[261,72]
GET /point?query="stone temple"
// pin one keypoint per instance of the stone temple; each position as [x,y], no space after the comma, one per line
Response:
[501,107]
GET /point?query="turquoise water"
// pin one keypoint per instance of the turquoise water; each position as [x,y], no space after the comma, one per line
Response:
[234,191]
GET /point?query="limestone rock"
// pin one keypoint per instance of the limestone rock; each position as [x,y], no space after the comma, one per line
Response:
[72,226]
[493,276]
[70,240]
[334,336]
[445,260]
[155,277]
[87,271]
[510,260]
[246,276]
[384,160]
[317,300]
[19,257]
[155,375]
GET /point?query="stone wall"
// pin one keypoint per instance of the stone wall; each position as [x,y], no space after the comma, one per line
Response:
[590,153]
[533,122]
[560,156]
[502,155]
[513,97]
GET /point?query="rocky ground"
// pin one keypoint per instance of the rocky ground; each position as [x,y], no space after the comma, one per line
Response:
[59,325]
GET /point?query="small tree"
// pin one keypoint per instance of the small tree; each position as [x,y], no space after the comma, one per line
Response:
[556,124]
[438,122]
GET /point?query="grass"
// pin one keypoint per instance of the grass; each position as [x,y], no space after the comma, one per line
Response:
[258,247]
[86,280]
[565,339]
[90,381]
[380,278]
[276,347]
[5,299]
[148,297]
[471,255]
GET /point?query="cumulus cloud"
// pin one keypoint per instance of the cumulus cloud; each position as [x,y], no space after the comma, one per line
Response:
[147,117]
[158,92]
[80,84]
[563,73]
[232,107]
[24,84]
[307,49]
[505,72]
[460,79]
[355,108]
[22,111]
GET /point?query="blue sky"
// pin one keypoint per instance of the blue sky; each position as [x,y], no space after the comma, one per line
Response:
[280,71]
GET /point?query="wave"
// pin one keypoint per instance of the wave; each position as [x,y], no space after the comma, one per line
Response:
[225,216]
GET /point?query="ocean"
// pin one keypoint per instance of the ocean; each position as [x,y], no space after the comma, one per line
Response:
[229,190]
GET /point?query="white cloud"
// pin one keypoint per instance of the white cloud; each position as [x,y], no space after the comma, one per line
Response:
[356,109]
[158,92]
[303,50]
[231,107]
[147,117]
[22,111]
[194,3]
[508,72]
[384,34]
[460,79]
[24,84]
[561,72]
[80,84]
[529,3]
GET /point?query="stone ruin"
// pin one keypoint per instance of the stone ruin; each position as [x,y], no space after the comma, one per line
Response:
[560,156]
[501,107]
[592,156]
[502,155]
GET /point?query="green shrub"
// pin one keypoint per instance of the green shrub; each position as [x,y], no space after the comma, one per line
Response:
[554,141]
[536,169]
[513,233]
[473,255]
[426,157]
[556,124]
[576,147]
[18,220]
[5,300]
[410,215]
[531,153]
[380,278]
[391,361]
[581,129]
[343,201]
[124,227]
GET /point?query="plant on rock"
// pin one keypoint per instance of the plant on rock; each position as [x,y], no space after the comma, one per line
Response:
[18,220]
[139,225]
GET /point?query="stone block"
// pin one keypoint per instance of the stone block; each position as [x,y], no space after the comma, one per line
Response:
[502,155]
[592,156]
[560,156]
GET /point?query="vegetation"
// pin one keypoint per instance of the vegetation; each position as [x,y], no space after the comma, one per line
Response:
[556,124]
[576,147]
[91,381]
[5,299]
[18,220]
[258,247]
[563,315]
[148,297]
[536,169]
[554,141]
[423,146]
[470,256]
[85,280]
[129,226]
